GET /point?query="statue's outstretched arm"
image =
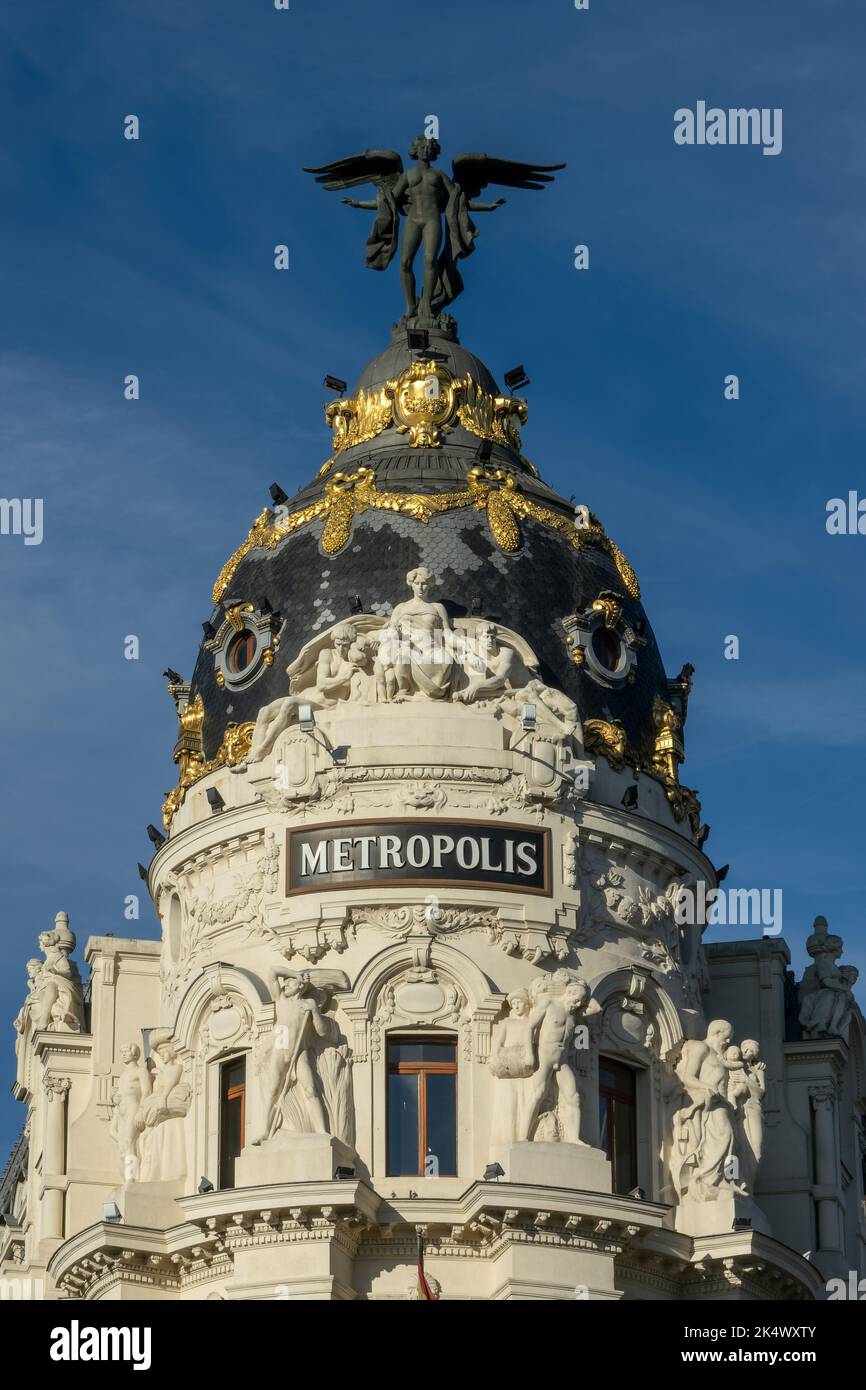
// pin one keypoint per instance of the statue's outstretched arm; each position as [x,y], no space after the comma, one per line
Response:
[370,204]
[486,207]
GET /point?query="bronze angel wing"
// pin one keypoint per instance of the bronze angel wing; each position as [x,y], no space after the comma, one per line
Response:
[373,166]
[475,171]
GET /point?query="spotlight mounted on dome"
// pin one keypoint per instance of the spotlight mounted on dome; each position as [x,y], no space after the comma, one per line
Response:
[702,836]
[335,383]
[306,719]
[142,873]
[155,836]
[214,800]
[722,873]
[205,1185]
[279,497]
[356,604]
[484,450]
[418,339]
[629,798]
[209,631]
[528,718]
[307,725]
[516,378]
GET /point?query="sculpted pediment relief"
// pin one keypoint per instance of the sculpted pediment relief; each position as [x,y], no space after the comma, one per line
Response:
[417,654]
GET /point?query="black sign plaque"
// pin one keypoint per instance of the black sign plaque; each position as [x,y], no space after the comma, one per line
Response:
[422,853]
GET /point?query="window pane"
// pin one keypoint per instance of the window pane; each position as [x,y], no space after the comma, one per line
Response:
[625,1155]
[603,1115]
[402,1124]
[234,1074]
[421,1052]
[231,1136]
[614,1077]
[442,1120]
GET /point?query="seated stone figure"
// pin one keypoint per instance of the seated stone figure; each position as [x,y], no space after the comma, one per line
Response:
[335,668]
[826,991]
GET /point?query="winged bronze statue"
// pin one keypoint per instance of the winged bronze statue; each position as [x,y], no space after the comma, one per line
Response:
[435,211]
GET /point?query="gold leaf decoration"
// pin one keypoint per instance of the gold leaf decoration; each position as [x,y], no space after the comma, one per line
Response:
[497,493]
[234,747]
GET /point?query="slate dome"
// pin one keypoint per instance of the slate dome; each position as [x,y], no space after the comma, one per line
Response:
[434,476]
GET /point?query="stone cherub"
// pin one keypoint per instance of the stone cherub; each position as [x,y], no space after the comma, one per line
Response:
[435,211]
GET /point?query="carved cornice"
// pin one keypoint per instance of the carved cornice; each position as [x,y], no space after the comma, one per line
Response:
[348,495]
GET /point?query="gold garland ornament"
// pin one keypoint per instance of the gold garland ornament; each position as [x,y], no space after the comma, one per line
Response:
[233,749]
[425,401]
[607,739]
[349,495]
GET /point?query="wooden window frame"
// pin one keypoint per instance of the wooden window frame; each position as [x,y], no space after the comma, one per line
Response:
[233,1093]
[630,1099]
[422,1070]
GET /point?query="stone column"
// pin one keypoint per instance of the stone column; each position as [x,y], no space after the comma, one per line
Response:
[823,1100]
[54,1156]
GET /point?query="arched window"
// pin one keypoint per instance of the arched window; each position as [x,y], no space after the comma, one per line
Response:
[422,1106]
[617,1101]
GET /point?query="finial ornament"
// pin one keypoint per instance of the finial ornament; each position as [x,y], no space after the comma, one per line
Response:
[435,211]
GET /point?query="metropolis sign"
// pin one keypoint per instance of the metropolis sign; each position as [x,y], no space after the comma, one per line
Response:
[435,853]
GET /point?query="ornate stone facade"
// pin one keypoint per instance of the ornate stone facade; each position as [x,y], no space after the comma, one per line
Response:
[448,839]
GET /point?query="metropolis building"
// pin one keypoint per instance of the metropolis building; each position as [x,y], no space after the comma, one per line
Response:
[427,964]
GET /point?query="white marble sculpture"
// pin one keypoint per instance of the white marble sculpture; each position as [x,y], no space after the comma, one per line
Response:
[826,992]
[132,1086]
[536,1091]
[305,1068]
[417,654]
[55,1000]
[162,1113]
[718,1132]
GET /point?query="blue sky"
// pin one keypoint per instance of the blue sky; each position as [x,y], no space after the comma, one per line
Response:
[156,257]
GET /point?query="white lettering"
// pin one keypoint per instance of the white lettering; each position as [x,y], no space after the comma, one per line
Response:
[442,844]
[314,861]
[365,841]
[389,852]
[472,851]
[485,857]
[418,852]
[527,863]
[342,856]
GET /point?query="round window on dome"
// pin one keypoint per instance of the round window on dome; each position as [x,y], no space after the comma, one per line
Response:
[241,651]
[606,648]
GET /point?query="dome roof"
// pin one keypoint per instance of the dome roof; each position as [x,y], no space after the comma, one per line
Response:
[427,470]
